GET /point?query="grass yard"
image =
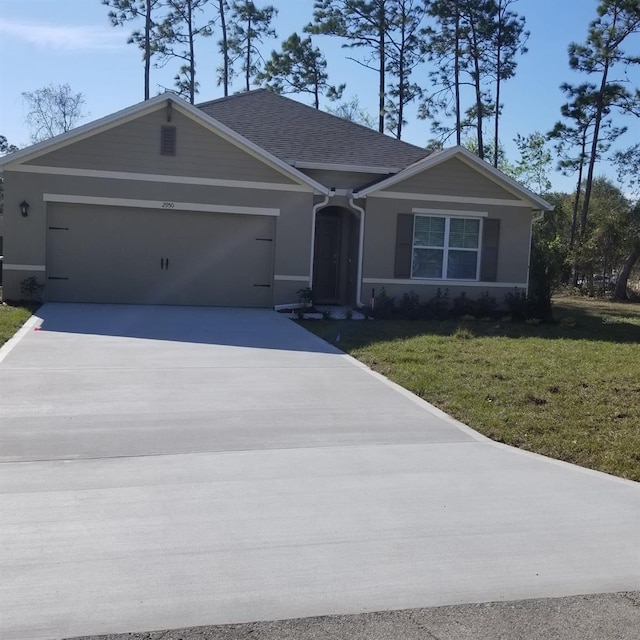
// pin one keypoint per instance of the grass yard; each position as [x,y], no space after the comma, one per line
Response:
[12,318]
[569,390]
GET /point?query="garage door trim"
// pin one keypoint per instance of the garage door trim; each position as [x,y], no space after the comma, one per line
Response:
[165,205]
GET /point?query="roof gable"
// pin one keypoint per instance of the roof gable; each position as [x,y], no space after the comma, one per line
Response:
[301,135]
[503,183]
[139,110]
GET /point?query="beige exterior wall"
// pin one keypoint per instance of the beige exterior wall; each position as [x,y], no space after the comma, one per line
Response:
[26,238]
[135,147]
[380,238]
[343,179]
[452,178]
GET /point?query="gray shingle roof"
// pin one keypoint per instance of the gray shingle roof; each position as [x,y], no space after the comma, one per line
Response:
[297,133]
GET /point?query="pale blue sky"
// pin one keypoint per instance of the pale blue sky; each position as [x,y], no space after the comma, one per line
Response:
[59,41]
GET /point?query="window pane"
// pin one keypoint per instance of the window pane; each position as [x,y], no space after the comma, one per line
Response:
[464,233]
[462,265]
[427,263]
[429,231]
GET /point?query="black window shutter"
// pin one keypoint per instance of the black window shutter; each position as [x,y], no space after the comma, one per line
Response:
[404,246]
[490,243]
[168,141]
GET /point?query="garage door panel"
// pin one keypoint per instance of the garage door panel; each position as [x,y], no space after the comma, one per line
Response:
[109,254]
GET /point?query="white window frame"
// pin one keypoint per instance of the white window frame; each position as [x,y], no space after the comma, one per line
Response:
[448,215]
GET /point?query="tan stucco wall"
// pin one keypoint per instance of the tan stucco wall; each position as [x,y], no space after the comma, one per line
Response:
[26,238]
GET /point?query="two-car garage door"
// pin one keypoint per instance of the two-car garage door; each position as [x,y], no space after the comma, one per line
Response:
[157,256]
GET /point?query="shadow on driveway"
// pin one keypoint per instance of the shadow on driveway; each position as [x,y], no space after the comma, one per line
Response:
[201,325]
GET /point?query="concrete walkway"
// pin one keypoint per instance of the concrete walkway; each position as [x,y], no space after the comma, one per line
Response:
[173,467]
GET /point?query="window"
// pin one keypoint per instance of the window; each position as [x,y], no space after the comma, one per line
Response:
[445,247]
[168,141]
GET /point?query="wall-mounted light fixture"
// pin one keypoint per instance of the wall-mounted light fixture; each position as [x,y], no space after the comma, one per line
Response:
[24,208]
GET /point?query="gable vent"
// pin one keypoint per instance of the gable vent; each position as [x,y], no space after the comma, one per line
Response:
[168,141]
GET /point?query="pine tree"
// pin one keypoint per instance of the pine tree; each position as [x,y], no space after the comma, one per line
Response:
[224,72]
[177,36]
[617,21]
[123,11]
[508,40]
[248,27]
[299,68]
[364,24]
[405,53]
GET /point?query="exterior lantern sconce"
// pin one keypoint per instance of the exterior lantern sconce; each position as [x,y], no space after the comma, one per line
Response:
[24,208]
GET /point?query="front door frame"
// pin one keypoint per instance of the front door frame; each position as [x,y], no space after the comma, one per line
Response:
[347,259]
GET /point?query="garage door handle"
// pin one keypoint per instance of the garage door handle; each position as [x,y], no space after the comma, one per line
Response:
[161,263]
[166,263]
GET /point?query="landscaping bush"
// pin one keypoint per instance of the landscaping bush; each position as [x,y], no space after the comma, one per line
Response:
[462,306]
[409,306]
[438,307]
[384,306]
[517,304]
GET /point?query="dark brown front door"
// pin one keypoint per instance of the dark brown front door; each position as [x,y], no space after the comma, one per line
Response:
[326,284]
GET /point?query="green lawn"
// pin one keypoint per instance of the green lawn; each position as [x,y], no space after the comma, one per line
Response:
[12,318]
[569,390]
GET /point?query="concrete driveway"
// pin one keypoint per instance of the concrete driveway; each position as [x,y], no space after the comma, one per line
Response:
[169,467]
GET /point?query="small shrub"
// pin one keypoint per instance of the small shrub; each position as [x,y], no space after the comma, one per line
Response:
[327,314]
[348,314]
[384,306]
[533,321]
[438,307]
[462,306]
[409,305]
[305,296]
[568,321]
[486,305]
[516,303]
[31,288]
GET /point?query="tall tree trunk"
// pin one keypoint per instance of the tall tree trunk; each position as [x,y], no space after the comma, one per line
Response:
[478,91]
[247,74]
[225,48]
[620,292]
[381,51]
[147,48]
[456,72]
[594,149]
[496,144]
[192,58]
[576,202]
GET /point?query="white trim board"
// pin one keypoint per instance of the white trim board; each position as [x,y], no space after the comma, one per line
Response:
[447,283]
[453,214]
[285,278]
[423,197]
[160,204]
[24,267]
[156,177]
